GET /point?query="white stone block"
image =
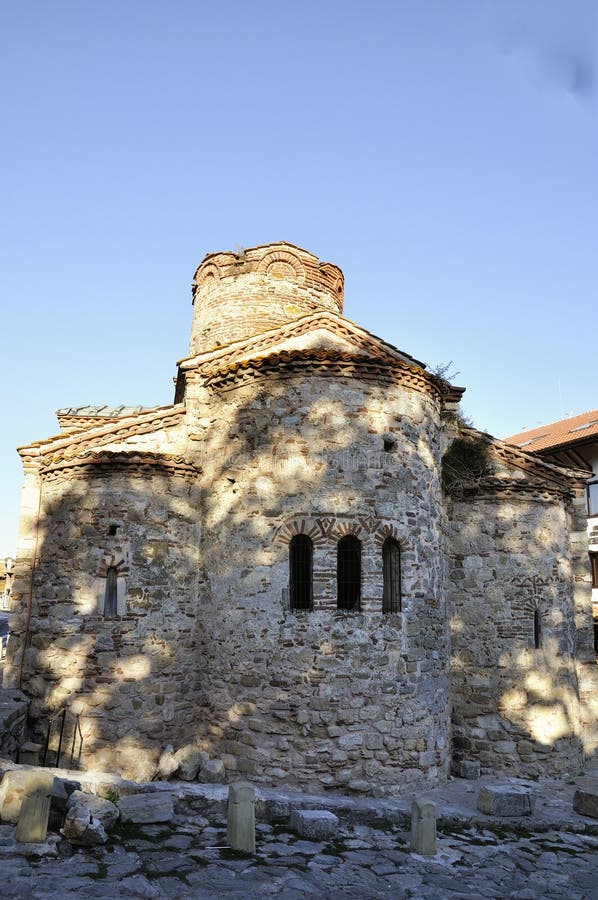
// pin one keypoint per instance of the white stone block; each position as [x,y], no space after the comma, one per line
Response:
[314,824]
[144,808]
[423,827]
[506,800]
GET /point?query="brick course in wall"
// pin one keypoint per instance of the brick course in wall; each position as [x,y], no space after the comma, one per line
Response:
[242,294]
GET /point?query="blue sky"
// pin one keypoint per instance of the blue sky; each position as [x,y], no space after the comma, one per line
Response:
[443,154]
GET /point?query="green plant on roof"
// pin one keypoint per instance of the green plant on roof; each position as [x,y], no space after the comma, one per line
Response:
[465,465]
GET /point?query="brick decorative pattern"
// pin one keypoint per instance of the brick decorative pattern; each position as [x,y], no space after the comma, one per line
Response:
[257,345]
[326,531]
[319,362]
[107,464]
[236,296]
[332,527]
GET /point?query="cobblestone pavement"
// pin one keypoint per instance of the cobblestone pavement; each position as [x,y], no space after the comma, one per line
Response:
[189,859]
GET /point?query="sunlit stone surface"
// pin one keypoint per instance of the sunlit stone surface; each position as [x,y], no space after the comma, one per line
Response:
[289,419]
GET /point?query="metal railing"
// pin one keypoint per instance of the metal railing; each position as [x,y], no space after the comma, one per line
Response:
[60,717]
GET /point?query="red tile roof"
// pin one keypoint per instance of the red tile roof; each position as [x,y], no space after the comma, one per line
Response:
[558,434]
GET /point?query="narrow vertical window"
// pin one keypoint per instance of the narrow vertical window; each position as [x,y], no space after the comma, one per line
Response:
[391,569]
[110,596]
[348,573]
[300,572]
[537,629]
[594,568]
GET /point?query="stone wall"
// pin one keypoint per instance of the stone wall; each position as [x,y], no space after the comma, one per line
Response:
[13,718]
[129,675]
[322,698]
[513,635]
[586,612]
[207,650]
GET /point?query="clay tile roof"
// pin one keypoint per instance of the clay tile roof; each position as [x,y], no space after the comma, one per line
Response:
[101,412]
[558,434]
[106,430]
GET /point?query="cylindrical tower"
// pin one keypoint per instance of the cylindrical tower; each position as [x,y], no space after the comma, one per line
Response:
[237,295]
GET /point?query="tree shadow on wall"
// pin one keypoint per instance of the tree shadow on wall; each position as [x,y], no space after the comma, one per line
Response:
[516,648]
[208,652]
[286,454]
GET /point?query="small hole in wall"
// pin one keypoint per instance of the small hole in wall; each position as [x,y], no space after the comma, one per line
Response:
[389,442]
[112,529]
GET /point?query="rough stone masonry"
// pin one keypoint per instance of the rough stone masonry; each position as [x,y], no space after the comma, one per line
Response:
[276,570]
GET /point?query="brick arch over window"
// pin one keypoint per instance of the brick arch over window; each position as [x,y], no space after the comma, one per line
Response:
[299,525]
[348,529]
[112,560]
[208,276]
[282,262]
[338,279]
[326,528]
[385,531]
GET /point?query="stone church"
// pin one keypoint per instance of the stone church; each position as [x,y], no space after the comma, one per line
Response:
[308,566]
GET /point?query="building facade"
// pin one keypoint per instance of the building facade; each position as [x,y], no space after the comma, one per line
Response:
[306,566]
[573,442]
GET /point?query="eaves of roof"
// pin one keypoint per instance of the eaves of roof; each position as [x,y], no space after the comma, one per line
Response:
[104,432]
[102,412]
[322,319]
[530,463]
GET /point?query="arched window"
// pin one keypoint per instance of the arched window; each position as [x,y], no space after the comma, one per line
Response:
[391,569]
[348,573]
[537,629]
[111,593]
[300,572]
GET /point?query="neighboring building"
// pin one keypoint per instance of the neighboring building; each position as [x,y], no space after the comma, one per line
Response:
[6,577]
[306,565]
[573,442]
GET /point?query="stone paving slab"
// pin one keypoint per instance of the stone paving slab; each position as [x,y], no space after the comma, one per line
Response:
[470,863]
[552,854]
